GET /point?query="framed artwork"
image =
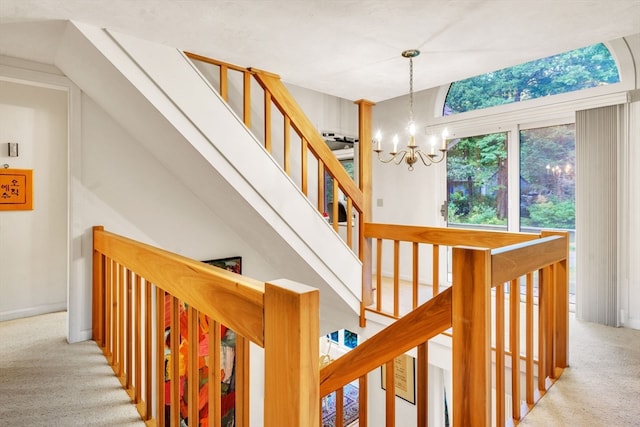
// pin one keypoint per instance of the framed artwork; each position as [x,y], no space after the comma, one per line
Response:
[233,264]
[227,361]
[405,377]
[16,189]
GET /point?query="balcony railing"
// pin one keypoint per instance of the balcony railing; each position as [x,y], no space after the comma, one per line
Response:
[139,292]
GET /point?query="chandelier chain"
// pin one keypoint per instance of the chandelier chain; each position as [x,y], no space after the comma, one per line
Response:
[411,89]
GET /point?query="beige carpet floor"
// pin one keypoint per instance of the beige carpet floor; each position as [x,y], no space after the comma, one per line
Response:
[601,387]
[44,381]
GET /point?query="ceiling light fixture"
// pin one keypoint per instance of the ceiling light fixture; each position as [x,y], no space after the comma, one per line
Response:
[412,153]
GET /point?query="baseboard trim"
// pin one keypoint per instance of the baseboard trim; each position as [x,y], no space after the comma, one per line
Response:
[33,311]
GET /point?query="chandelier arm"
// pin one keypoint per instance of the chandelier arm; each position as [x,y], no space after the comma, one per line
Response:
[394,157]
[425,158]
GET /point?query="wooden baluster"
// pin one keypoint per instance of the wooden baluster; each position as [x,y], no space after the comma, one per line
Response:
[148,352]
[137,341]
[215,393]
[500,365]
[159,357]
[108,310]
[529,341]
[304,166]
[551,321]
[193,372]
[321,206]
[542,327]
[435,265]
[335,206]
[363,399]
[340,407]
[120,337]
[247,99]
[287,145]
[390,396]
[243,394]
[422,400]
[514,346]
[175,360]
[416,261]
[129,343]
[350,222]
[224,82]
[267,121]
[379,275]
[396,278]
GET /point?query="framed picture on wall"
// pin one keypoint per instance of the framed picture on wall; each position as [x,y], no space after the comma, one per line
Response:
[233,264]
[405,377]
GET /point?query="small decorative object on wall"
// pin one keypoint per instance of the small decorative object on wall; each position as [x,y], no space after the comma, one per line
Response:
[405,376]
[16,189]
[233,264]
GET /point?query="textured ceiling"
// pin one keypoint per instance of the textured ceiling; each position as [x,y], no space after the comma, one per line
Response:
[345,48]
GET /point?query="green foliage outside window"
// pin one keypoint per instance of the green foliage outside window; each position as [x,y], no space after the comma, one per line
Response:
[477,180]
[578,69]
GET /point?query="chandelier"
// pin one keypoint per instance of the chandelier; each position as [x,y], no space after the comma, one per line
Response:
[412,153]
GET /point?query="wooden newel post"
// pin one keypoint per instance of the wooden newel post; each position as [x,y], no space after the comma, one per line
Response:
[365,180]
[97,314]
[292,355]
[561,308]
[471,319]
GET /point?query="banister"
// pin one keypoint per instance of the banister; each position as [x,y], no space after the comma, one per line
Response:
[234,300]
[417,327]
[190,301]
[509,262]
[446,236]
[281,97]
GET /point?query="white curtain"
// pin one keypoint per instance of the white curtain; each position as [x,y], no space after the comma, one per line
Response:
[597,141]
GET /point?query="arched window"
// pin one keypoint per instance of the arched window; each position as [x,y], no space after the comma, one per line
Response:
[578,69]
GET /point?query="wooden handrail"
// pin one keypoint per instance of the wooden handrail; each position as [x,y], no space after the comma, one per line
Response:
[511,262]
[446,236]
[422,324]
[210,290]
[301,123]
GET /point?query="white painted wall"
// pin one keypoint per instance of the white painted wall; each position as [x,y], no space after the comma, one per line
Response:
[133,202]
[33,244]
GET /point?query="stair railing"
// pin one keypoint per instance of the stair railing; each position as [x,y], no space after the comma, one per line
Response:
[166,360]
[305,156]
[517,334]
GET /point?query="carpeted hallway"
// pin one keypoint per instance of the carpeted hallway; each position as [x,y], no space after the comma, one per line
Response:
[46,382]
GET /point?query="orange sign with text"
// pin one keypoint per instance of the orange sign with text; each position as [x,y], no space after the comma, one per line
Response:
[16,189]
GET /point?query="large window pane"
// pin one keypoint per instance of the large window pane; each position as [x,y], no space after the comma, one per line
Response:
[477,180]
[547,184]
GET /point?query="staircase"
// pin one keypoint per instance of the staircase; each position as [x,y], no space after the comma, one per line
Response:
[156,94]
